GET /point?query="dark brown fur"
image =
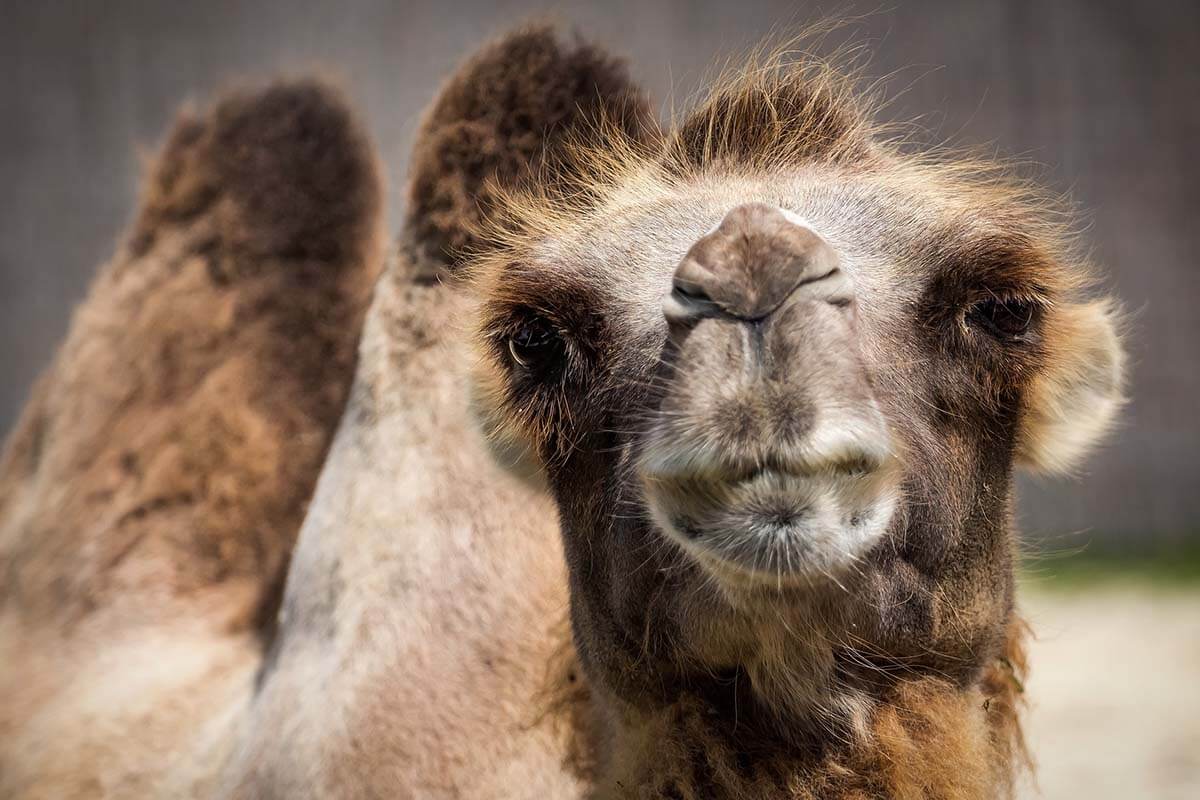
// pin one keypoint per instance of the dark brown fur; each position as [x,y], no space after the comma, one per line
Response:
[174,443]
[152,491]
[925,738]
[502,119]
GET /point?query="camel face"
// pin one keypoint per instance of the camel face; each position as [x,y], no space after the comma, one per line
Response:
[779,376]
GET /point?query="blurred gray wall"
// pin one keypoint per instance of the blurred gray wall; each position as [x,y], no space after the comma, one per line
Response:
[1105,93]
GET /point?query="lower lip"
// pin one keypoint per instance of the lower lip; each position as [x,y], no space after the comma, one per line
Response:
[781,527]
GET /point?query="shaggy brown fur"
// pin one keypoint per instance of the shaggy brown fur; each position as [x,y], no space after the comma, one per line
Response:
[172,698]
[153,488]
[925,739]
[175,440]
[500,120]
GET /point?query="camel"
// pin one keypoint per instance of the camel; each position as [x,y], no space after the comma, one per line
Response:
[778,368]
[416,647]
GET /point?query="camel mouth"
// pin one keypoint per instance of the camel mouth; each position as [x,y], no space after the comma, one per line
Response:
[776,522]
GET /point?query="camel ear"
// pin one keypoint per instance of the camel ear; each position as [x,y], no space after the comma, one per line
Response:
[504,117]
[1074,402]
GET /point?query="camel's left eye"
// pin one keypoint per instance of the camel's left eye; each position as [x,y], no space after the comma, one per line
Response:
[536,345]
[1005,319]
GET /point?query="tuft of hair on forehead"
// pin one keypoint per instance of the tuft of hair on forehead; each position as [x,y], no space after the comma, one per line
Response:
[784,105]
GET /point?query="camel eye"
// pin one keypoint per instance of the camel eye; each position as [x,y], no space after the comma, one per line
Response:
[535,346]
[1004,319]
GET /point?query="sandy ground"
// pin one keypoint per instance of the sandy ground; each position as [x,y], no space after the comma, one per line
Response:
[1115,693]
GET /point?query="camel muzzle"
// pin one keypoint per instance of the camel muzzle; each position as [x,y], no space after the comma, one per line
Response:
[769,455]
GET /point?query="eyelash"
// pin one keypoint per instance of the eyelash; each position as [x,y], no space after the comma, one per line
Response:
[1006,319]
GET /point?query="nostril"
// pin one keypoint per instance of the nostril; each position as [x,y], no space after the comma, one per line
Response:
[689,292]
[833,287]
[688,302]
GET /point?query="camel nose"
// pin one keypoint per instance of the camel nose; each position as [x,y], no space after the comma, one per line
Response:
[753,263]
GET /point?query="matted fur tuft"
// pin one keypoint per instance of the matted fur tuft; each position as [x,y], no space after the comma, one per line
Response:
[925,739]
[783,106]
[285,171]
[499,122]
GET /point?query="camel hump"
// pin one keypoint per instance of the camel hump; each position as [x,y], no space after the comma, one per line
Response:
[512,114]
[174,443]
[285,170]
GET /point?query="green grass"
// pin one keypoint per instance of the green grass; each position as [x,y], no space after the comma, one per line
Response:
[1168,567]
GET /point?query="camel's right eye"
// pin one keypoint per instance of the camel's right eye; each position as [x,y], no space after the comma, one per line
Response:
[1008,320]
[535,346]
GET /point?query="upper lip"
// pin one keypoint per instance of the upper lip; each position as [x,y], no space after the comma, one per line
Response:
[734,470]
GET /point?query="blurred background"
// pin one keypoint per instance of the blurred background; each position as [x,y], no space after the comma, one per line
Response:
[1104,94]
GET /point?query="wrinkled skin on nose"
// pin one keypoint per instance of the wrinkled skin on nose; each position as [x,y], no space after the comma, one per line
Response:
[752,263]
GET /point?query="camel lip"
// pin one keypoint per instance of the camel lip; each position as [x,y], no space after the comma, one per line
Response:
[796,552]
[775,527]
[731,471]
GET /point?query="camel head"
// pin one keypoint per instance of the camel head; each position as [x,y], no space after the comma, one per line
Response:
[777,369]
